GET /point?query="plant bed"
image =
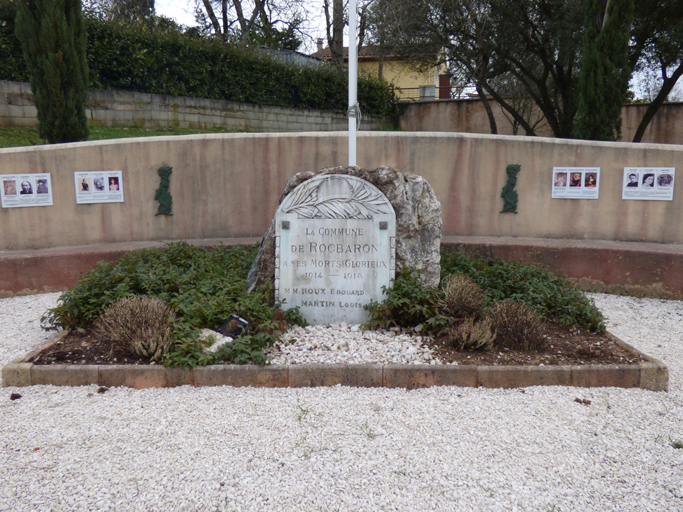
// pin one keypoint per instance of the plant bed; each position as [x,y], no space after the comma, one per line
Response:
[522,319]
[565,345]
[645,373]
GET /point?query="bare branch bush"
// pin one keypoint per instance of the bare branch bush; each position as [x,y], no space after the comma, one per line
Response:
[471,335]
[517,326]
[140,324]
[463,296]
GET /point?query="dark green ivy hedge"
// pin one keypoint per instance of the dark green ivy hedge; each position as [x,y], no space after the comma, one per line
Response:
[168,62]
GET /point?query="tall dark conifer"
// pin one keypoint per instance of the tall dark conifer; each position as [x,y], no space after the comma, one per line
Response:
[53,39]
[605,73]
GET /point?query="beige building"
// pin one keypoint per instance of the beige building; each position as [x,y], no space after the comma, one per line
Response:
[409,83]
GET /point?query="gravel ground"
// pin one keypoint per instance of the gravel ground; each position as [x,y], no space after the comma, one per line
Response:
[348,449]
[348,344]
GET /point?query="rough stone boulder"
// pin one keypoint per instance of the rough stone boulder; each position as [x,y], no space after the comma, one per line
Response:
[418,222]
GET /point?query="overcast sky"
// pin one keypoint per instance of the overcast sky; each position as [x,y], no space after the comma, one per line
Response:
[182,11]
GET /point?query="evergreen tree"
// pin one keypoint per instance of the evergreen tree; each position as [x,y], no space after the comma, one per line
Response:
[605,74]
[53,39]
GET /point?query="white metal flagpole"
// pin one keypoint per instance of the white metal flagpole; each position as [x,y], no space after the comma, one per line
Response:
[353,82]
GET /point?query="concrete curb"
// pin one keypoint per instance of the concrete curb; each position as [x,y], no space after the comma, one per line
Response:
[651,374]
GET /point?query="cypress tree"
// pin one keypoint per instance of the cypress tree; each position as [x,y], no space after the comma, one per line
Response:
[53,39]
[604,75]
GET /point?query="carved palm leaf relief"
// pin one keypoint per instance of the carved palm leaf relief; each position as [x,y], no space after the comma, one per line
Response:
[300,196]
[330,199]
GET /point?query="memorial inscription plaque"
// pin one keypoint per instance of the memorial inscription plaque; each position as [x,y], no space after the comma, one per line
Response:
[334,248]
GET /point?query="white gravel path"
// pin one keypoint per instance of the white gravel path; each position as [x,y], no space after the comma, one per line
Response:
[347,449]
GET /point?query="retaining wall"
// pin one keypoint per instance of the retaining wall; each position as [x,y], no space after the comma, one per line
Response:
[469,116]
[126,108]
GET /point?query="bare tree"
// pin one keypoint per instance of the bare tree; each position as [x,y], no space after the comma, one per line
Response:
[264,22]
[334,27]
[232,12]
[122,10]
[335,21]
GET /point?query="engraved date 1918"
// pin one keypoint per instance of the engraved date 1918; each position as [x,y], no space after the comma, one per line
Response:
[350,275]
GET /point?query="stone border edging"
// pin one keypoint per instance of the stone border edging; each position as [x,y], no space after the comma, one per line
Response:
[650,374]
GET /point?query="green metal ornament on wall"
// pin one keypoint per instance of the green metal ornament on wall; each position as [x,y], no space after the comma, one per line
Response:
[163,195]
[509,194]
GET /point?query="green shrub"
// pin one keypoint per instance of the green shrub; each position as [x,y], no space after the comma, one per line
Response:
[516,326]
[551,296]
[139,324]
[409,303]
[171,63]
[202,286]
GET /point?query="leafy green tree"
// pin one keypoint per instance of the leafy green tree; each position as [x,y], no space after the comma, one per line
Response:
[53,39]
[538,42]
[534,48]
[657,47]
[489,43]
[604,69]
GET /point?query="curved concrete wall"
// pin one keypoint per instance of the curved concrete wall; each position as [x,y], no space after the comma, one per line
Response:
[228,185]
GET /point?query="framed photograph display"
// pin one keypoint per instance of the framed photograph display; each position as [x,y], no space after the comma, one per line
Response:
[98,187]
[576,182]
[648,183]
[26,190]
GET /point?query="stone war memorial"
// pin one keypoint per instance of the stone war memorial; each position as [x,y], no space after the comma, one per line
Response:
[340,234]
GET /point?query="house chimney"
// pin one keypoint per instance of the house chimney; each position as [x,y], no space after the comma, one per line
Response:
[320,44]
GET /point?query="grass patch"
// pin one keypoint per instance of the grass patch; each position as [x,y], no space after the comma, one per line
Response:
[16,136]
[369,432]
